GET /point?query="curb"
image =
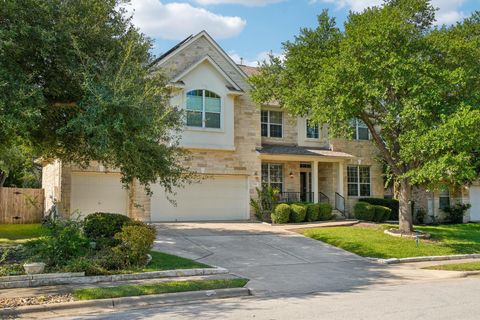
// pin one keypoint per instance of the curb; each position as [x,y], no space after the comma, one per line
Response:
[427,258]
[131,302]
[38,282]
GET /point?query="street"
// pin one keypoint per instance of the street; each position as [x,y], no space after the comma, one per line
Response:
[433,299]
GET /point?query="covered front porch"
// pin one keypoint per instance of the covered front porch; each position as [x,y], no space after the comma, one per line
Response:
[305,174]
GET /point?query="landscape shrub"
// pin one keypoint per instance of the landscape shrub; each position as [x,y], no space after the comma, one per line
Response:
[298,213]
[313,210]
[89,265]
[136,241]
[393,204]
[325,212]
[267,199]
[364,211]
[101,227]
[64,241]
[456,212]
[281,214]
[381,213]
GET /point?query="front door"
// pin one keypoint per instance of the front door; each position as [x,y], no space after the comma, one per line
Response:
[306,186]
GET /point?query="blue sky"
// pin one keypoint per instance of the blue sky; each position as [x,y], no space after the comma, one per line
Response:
[249,29]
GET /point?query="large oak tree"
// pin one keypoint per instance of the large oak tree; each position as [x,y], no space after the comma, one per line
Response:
[416,87]
[76,84]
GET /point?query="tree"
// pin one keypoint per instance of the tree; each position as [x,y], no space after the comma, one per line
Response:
[415,86]
[77,84]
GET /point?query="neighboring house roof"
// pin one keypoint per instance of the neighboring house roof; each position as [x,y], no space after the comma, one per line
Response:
[183,44]
[301,151]
[249,71]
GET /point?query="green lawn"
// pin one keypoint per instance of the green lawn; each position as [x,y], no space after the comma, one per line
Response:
[372,242]
[157,288]
[466,266]
[165,261]
[14,234]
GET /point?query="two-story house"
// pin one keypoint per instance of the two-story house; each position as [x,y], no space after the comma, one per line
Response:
[235,145]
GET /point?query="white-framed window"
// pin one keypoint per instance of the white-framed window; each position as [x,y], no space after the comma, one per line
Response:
[272,123]
[204,109]
[444,198]
[272,175]
[358,178]
[360,130]
[313,131]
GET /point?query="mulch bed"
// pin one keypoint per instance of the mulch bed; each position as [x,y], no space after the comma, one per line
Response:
[30,301]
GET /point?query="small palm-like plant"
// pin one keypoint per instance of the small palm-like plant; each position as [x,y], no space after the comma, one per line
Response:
[266,201]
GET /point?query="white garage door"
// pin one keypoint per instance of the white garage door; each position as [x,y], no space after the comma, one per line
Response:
[216,198]
[98,193]
[475,202]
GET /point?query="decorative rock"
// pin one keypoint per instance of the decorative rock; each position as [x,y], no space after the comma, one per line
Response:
[34,267]
[397,233]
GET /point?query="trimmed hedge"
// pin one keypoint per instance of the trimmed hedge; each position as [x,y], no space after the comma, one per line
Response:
[281,214]
[313,211]
[298,213]
[324,212]
[364,211]
[102,227]
[389,203]
[382,213]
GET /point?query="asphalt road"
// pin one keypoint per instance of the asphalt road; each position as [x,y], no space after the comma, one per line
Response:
[434,299]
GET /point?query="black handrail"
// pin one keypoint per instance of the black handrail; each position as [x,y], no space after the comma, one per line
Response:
[322,197]
[340,203]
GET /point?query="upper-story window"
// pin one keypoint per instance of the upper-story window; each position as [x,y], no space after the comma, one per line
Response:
[312,130]
[360,130]
[204,109]
[358,178]
[272,123]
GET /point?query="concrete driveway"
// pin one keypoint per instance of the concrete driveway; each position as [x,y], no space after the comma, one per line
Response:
[277,261]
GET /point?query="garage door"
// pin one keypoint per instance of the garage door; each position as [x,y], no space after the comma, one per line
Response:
[475,202]
[98,193]
[216,198]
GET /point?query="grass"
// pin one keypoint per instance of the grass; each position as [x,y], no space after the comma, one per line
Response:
[164,261]
[466,266]
[15,234]
[372,242]
[157,288]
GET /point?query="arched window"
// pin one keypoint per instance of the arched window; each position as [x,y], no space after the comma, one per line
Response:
[204,109]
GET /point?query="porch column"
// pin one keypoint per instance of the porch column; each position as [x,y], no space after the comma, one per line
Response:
[315,181]
[340,179]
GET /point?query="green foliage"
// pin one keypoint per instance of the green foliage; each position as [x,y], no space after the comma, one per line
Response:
[267,199]
[298,213]
[313,211]
[64,241]
[393,204]
[364,211]
[325,211]
[420,216]
[456,212]
[90,266]
[77,83]
[136,241]
[413,85]
[281,214]
[101,227]
[381,213]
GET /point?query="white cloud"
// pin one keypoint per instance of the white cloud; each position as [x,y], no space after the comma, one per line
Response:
[253,62]
[250,3]
[175,21]
[448,10]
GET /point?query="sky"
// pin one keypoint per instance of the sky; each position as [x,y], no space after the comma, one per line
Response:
[250,29]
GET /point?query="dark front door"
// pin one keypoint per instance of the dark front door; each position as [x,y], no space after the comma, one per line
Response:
[305,186]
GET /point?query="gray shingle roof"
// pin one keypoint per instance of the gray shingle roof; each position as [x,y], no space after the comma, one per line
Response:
[301,151]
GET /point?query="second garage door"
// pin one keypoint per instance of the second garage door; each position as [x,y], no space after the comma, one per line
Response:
[475,202]
[215,198]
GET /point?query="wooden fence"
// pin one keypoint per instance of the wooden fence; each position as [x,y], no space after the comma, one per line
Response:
[21,205]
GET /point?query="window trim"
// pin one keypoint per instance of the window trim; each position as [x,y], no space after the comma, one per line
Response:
[203,127]
[358,183]
[356,126]
[444,194]
[269,182]
[318,131]
[268,123]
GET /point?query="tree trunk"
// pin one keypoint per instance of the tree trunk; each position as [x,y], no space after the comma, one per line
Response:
[3,177]
[405,213]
